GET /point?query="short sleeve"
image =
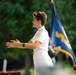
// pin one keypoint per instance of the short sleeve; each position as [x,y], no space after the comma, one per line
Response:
[42,37]
[32,39]
[50,48]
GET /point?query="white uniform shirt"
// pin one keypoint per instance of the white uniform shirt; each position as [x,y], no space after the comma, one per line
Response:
[42,36]
[41,57]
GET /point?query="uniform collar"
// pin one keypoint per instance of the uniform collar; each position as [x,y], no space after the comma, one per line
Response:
[41,28]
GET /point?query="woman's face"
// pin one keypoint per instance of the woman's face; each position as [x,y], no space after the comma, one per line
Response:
[35,22]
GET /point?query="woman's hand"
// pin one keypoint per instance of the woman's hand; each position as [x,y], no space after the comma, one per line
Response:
[15,41]
[12,43]
[58,48]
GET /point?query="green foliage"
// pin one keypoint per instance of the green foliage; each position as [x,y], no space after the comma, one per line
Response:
[16,22]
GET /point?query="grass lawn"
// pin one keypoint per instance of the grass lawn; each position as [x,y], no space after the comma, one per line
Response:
[69,68]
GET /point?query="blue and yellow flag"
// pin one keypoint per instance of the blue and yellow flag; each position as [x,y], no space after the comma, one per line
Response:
[59,38]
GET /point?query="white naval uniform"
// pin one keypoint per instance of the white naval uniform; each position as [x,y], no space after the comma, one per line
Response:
[40,56]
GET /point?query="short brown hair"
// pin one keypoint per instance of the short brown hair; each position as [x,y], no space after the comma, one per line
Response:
[40,16]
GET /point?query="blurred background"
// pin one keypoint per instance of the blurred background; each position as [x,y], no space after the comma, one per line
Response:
[16,23]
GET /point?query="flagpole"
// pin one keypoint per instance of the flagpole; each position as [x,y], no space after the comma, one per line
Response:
[52,1]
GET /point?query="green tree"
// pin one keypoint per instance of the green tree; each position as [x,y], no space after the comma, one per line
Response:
[16,22]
